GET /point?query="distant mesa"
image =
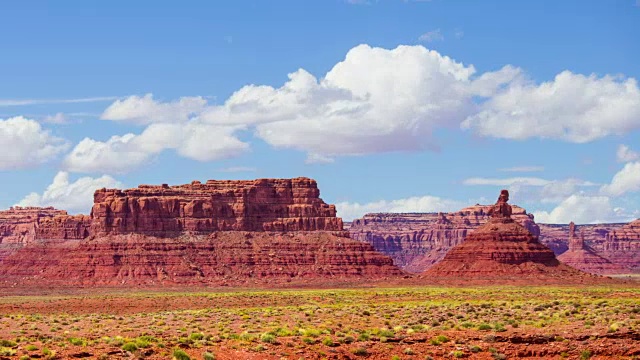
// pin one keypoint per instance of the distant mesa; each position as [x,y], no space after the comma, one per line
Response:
[503,249]
[582,257]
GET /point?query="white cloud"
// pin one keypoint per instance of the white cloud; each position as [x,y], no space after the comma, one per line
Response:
[25,102]
[74,196]
[523,169]
[349,211]
[572,107]
[145,110]
[625,154]
[624,181]
[430,36]
[375,100]
[523,181]
[583,209]
[25,143]
[558,190]
[120,154]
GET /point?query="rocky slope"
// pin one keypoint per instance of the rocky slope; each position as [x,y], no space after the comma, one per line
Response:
[582,257]
[220,232]
[220,258]
[502,249]
[416,241]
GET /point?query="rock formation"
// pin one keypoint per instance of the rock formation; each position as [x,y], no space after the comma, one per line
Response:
[502,249]
[20,226]
[217,205]
[582,257]
[623,245]
[220,258]
[416,241]
[219,232]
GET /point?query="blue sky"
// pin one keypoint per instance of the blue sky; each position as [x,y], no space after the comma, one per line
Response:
[391,105]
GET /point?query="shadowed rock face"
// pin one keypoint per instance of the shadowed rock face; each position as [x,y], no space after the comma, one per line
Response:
[582,257]
[502,249]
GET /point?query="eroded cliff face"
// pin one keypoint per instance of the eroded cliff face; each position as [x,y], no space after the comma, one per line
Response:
[217,205]
[416,241]
[623,245]
[20,226]
[582,257]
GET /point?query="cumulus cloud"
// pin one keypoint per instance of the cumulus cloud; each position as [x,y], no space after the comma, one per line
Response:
[625,154]
[583,209]
[26,102]
[145,110]
[430,36]
[74,196]
[388,100]
[120,154]
[349,211]
[624,181]
[572,107]
[25,143]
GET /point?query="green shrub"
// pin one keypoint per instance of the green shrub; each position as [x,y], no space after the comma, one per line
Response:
[268,338]
[484,327]
[328,342]
[196,336]
[31,348]
[130,346]
[8,343]
[179,354]
[359,351]
[208,356]
[586,354]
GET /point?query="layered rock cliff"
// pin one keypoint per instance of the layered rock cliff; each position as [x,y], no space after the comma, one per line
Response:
[623,245]
[20,226]
[416,241]
[217,205]
[220,258]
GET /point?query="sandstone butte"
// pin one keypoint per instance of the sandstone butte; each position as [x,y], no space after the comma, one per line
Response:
[582,257]
[215,233]
[503,250]
[416,241]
